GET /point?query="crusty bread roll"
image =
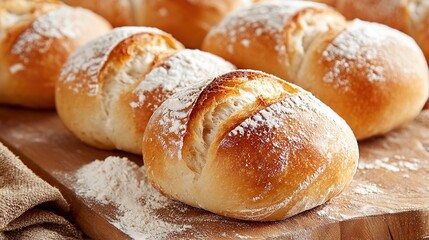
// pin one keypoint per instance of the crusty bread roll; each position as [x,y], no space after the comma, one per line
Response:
[109,88]
[36,37]
[187,20]
[373,76]
[249,145]
[408,16]
[367,76]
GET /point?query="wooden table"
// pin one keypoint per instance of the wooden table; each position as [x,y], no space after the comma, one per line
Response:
[388,198]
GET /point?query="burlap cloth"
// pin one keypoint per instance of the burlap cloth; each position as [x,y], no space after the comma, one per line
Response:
[29,207]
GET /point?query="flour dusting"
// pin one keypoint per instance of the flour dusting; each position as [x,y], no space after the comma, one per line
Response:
[394,164]
[357,49]
[122,183]
[59,23]
[270,117]
[89,59]
[269,17]
[364,189]
[184,68]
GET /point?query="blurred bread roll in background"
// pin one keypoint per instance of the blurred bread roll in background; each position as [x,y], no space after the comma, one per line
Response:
[373,76]
[110,87]
[117,12]
[36,38]
[187,20]
[249,145]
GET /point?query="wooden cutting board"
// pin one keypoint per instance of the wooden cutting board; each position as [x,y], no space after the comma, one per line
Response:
[388,198]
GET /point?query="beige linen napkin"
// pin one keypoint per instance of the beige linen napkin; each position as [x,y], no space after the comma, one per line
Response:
[29,206]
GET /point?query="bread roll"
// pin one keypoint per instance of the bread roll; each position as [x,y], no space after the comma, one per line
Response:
[110,87]
[408,16]
[365,73]
[187,20]
[249,145]
[373,76]
[36,37]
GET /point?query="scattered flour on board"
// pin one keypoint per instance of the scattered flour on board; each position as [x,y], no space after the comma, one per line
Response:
[122,183]
[239,236]
[359,198]
[90,58]
[59,23]
[270,17]
[353,202]
[357,47]
[364,189]
[395,164]
[184,68]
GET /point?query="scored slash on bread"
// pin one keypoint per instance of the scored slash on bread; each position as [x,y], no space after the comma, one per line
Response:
[249,145]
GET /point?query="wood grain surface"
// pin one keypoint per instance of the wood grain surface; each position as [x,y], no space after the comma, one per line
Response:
[388,198]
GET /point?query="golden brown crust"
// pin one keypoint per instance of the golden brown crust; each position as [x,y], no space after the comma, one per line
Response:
[269,33]
[363,81]
[269,149]
[188,21]
[192,19]
[36,45]
[378,11]
[362,70]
